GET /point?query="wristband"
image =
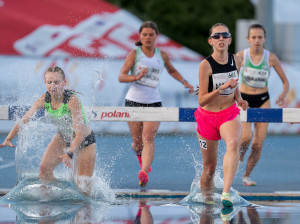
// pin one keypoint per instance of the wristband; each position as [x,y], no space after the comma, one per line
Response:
[220,90]
[70,154]
[182,81]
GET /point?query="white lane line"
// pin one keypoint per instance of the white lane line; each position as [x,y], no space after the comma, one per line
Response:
[7,165]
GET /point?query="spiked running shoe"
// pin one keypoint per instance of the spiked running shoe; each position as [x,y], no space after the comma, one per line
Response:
[143,177]
[139,157]
[226,200]
[226,213]
[248,182]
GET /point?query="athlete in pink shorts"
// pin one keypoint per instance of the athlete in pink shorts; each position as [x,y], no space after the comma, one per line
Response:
[209,123]
[218,115]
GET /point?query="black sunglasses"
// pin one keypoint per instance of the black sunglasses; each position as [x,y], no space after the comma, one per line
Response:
[218,35]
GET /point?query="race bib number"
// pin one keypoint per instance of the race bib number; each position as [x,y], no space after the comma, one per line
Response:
[203,144]
[220,79]
[151,79]
[255,78]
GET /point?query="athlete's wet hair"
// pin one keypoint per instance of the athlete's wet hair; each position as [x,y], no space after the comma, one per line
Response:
[147,24]
[257,26]
[57,70]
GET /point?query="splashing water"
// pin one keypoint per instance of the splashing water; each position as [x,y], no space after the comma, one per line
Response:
[197,197]
[33,139]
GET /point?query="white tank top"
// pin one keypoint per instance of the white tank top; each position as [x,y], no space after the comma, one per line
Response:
[146,90]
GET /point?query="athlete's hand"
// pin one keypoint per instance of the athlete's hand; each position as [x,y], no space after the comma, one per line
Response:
[189,86]
[7,143]
[231,83]
[66,160]
[280,100]
[242,103]
[142,73]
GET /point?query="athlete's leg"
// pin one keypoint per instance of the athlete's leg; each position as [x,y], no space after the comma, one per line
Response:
[84,167]
[246,139]
[85,161]
[260,132]
[50,158]
[209,151]
[146,216]
[231,132]
[150,129]
[136,130]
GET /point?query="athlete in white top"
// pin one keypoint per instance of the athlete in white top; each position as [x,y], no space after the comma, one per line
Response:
[254,75]
[146,65]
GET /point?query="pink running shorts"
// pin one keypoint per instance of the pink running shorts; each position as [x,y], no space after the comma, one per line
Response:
[208,123]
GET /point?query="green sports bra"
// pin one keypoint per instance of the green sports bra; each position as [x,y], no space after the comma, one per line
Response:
[62,117]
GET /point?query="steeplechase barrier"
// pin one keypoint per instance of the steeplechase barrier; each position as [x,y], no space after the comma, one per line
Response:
[173,114]
[164,114]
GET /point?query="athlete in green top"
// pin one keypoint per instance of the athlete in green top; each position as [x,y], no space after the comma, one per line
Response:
[255,71]
[65,109]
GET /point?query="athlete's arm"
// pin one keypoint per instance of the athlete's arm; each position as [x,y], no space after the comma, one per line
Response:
[237,94]
[274,62]
[129,62]
[79,128]
[78,122]
[38,104]
[204,96]
[174,73]
[241,56]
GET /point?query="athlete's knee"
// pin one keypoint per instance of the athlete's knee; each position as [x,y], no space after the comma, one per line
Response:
[233,144]
[245,142]
[137,144]
[148,139]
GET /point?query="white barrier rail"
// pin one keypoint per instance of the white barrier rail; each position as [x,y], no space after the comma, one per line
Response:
[165,114]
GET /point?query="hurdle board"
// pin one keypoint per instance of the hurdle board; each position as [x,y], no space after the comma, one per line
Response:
[164,114]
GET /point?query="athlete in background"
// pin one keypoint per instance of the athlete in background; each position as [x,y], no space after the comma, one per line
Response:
[146,64]
[255,72]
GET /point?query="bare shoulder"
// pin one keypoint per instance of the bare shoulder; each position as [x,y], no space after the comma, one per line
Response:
[131,54]
[240,54]
[238,59]
[164,55]
[273,56]
[74,100]
[205,68]
[40,102]
[273,59]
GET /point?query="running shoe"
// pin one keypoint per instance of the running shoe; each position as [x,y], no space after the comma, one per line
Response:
[143,177]
[248,182]
[226,213]
[139,157]
[226,200]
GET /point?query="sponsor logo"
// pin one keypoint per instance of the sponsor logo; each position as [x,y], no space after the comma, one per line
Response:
[109,115]
[263,98]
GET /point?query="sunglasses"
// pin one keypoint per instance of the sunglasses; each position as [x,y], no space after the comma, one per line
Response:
[218,35]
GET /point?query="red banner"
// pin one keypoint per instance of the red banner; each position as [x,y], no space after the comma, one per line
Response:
[74,28]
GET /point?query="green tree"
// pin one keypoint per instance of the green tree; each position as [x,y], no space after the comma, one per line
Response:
[188,21]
